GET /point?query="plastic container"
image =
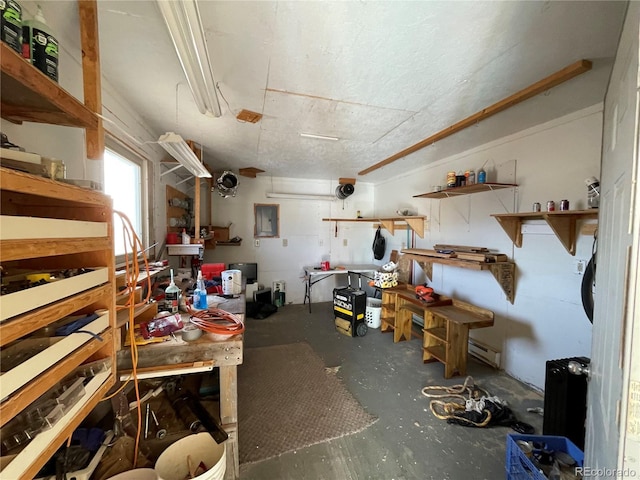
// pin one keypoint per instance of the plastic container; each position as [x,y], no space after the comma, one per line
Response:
[39,45]
[186,239]
[11,24]
[201,447]
[171,296]
[231,282]
[172,238]
[372,312]
[520,467]
[200,294]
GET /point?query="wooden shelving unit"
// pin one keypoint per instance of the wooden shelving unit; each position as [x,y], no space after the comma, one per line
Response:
[503,272]
[38,209]
[563,224]
[466,190]
[415,222]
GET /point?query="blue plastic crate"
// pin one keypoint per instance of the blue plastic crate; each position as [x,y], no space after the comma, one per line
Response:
[518,465]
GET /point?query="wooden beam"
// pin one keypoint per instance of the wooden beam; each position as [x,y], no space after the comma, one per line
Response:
[543,85]
[88,10]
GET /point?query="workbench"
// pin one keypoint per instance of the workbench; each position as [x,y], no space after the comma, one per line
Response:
[210,351]
[313,275]
[447,322]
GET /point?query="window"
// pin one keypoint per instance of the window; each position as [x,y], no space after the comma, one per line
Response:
[123,183]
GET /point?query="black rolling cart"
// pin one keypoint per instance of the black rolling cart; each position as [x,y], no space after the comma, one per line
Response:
[349,308]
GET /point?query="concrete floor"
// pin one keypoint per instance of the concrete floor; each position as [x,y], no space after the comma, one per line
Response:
[407,442]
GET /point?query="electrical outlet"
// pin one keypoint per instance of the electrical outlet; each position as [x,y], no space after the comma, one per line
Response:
[345,242]
[256,242]
[580,265]
[285,242]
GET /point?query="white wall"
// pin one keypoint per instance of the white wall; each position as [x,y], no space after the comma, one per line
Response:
[309,239]
[548,162]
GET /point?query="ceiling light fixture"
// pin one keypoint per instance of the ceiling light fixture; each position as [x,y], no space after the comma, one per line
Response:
[185,29]
[300,196]
[178,149]
[318,137]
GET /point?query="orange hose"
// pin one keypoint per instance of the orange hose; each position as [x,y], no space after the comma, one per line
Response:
[216,320]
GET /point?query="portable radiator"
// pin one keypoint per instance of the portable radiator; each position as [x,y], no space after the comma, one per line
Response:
[565,401]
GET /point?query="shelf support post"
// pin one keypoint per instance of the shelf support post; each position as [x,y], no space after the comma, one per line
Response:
[88,10]
[504,273]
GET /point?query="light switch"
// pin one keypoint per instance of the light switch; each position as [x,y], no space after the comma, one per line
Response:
[285,242]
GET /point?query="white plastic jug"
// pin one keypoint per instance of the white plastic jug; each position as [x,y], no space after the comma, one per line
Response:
[231,282]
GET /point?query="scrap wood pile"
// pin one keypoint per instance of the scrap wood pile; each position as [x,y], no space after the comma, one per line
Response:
[459,252]
[471,406]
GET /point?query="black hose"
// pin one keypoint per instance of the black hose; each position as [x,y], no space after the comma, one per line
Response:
[586,289]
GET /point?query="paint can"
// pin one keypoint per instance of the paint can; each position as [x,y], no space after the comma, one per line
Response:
[551,206]
[564,205]
[536,207]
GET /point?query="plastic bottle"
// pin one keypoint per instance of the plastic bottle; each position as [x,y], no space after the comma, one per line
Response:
[186,239]
[11,23]
[171,296]
[482,176]
[39,45]
[200,294]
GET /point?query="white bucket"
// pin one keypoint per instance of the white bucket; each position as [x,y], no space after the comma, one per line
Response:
[137,474]
[372,313]
[172,463]
[231,282]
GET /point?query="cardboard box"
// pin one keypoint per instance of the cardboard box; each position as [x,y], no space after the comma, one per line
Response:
[220,234]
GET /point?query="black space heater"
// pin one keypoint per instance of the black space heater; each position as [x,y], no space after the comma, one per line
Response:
[565,401]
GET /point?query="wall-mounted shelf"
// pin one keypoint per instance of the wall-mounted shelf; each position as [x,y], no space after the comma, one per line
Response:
[466,190]
[562,223]
[503,272]
[415,222]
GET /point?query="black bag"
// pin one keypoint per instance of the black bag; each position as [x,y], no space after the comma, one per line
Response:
[378,245]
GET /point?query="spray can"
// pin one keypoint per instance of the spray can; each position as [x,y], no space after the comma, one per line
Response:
[171,296]
[200,294]
[39,45]
[482,176]
[11,20]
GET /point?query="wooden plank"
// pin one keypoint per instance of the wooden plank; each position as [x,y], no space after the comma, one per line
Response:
[13,304]
[29,322]
[19,249]
[11,180]
[30,460]
[34,390]
[14,227]
[460,248]
[540,86]
[466,190]
[428,253]
[476,257]
[88,11]
[342,181]
[29,95]
[463,317]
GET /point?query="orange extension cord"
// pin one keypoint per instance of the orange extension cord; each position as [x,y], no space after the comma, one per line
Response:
[218,321]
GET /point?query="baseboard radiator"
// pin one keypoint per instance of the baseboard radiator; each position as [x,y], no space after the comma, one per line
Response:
[565,401]
[484,353]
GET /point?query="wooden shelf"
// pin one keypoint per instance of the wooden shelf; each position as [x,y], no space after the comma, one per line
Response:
[439,352]
[503,272]
[414,222]
[439,333]
[28,95]
[228,244]
[466,190]
[562,223]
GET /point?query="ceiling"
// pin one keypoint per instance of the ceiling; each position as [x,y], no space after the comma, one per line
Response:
[380,76]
